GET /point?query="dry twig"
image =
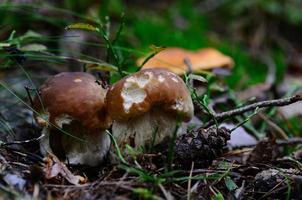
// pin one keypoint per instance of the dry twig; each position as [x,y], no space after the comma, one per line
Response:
[219,117]
[281,143]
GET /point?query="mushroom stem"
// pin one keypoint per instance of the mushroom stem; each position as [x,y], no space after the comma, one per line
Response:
[90,152]
[45,143]
[146,130]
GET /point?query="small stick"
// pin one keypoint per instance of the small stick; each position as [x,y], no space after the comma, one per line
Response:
[262,104]
[281,143]
[22,142]
[274,126]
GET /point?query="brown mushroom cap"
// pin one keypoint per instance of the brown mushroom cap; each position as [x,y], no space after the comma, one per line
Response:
[173,59]
[74,95]
[138,93]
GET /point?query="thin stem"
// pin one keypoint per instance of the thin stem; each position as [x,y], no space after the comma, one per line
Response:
[119,154]
[171,148]
[109,46]
[245,120]
[121,27]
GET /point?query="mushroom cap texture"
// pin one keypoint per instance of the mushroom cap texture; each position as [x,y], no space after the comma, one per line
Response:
[75,96]
[149,89]
[173,59]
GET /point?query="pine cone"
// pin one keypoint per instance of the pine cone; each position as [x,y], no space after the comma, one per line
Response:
[200,147]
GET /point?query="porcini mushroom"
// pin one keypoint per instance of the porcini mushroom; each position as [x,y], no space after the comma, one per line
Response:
[173,59]
[73,103]
[146,107]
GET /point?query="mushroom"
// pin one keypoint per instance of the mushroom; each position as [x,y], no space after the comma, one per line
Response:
[173,59]
[73,103]
[146,107]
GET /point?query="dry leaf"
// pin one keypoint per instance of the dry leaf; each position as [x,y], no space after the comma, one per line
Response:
[34,47]
[265,151]
[82,26]
[173,59]
[54,167]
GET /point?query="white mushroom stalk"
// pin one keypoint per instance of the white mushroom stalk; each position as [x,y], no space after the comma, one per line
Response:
[149,129]
[74,104]
[146,107]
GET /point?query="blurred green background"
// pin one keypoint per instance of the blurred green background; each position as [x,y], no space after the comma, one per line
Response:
[244,30]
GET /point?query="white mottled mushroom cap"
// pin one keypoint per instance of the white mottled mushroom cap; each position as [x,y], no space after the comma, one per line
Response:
[148,89]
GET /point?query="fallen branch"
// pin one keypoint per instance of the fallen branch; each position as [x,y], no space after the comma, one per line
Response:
[219,117]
